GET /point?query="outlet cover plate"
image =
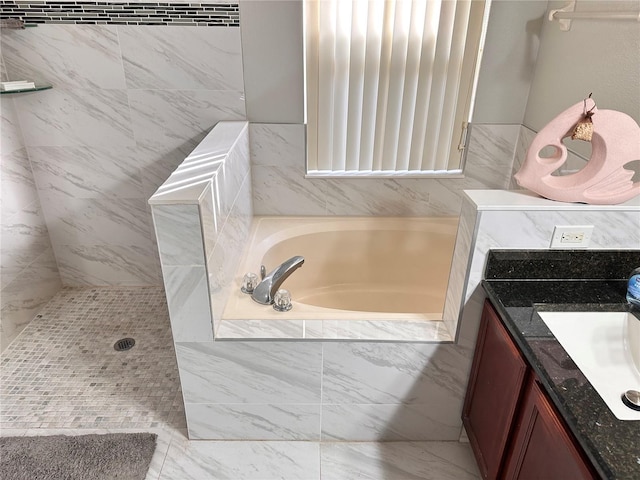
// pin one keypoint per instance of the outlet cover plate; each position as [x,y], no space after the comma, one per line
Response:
[571,236]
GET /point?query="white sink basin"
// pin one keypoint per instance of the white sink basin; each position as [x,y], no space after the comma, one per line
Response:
[606,348]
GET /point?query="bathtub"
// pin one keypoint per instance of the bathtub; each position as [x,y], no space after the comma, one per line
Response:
[365,278]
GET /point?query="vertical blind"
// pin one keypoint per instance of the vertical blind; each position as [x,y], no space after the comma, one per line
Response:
[389,84]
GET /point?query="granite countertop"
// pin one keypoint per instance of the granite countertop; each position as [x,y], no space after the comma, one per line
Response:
[567,281]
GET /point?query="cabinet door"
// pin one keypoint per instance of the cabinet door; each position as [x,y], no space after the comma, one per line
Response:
[542,447]
[495,386]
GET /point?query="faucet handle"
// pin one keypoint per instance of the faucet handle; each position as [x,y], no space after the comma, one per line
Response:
[249,283]
[282,301]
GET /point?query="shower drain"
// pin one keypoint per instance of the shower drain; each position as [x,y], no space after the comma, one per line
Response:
[124,344]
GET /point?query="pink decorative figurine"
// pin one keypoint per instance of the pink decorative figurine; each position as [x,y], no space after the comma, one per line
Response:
[604,180]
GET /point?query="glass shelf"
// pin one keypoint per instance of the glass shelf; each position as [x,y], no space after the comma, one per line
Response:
[37,88]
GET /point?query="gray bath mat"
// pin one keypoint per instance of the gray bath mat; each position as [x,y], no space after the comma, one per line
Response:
[85,457]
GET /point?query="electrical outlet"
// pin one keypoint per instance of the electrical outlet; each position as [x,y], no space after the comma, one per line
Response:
[571,236]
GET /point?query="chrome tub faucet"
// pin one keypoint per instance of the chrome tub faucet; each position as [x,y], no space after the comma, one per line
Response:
[265,291]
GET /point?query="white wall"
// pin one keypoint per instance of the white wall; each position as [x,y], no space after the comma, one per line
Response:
[272,55]
[595,56]
[509,60]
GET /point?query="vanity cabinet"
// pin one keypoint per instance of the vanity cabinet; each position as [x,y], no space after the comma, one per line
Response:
[514,430]
[497,380]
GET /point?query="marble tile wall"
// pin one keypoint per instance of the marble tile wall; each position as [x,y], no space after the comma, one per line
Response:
[531,228]
[392,392]
[202,215]
[28,270]
[224,258]
[454,300]
[341,391]
[128,104]
[279,186]
[182,255]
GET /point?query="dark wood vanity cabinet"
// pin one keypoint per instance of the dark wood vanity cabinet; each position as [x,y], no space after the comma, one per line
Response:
[497,379]
[514,430]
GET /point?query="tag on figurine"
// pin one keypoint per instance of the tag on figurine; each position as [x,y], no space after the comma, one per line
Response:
[584,128]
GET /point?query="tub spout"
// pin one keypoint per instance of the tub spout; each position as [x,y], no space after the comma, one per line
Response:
[267,288]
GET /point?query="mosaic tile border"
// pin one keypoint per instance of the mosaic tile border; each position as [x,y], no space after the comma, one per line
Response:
[35,12]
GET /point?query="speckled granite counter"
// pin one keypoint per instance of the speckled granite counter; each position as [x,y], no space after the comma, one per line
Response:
[521,283]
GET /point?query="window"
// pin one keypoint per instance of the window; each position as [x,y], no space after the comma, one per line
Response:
[389,85]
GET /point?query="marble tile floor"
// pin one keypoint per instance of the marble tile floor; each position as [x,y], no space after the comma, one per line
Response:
[177,458]
[62,376]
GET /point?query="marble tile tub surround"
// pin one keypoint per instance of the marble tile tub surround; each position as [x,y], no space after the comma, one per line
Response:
[202,215]
[363,391]
[28,272]
[128,105]
[279,186]
[271,390]
[361,330]
[322,391]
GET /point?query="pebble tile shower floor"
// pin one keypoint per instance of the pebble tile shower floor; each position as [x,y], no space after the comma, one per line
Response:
[63,372]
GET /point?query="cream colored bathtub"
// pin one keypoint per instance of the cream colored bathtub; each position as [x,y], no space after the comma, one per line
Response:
[356,268]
